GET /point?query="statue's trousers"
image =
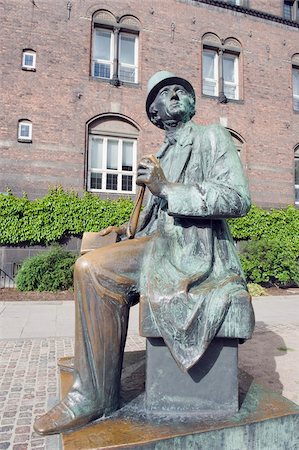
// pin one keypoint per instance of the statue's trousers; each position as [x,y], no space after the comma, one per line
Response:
[106,285]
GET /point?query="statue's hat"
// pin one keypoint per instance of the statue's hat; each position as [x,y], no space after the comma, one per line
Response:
[161,79]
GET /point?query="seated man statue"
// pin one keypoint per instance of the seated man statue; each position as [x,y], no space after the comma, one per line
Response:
[182,260]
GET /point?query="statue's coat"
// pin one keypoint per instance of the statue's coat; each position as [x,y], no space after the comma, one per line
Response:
[191,273]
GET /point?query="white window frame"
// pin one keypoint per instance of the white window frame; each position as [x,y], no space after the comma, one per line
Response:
[295,96]
[130,66]
[103,61]
[216,71]
[236,75]
[21,137]
[28,66]
[216,79]
[119,171]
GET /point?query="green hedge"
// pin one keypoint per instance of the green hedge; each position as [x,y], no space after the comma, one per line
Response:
[270,255]
[56,216]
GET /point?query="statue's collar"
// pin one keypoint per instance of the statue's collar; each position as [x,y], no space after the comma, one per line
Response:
[174,131]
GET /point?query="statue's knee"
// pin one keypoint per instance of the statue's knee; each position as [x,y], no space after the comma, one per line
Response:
[82,264]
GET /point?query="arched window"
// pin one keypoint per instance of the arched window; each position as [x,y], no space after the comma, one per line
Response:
[115,48]
[220,67]
[112,155]
[24,130]
[295,77]
[297,175]
[28,59]
[237,139]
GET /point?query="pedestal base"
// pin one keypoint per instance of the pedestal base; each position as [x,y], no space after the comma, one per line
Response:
[265,421]
[209,388]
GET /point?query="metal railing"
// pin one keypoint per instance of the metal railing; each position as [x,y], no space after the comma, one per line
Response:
[7,277]
[6,281]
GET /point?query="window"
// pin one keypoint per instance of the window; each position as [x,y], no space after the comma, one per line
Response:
[25,131]
[297,175]
[291,10]
[28,60]
[220,70]
[115,49]
[237,2]
[295,72]
[112,154]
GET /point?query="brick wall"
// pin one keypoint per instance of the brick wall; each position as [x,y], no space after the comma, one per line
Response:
[49,97]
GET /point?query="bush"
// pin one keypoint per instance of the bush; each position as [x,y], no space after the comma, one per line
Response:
[255,290]
[271,260]
[48,271]
[56,216]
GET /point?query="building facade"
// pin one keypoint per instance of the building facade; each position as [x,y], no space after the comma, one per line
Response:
[74,76]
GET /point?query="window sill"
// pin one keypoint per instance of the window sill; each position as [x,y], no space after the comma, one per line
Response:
[296,111]
[229,100]
[29,69]
[25,141]
[109,81]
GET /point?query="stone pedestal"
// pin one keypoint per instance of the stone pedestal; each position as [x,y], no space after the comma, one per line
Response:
[210,388]
[265,421]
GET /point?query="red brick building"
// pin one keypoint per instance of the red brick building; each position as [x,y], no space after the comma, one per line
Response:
[74,88]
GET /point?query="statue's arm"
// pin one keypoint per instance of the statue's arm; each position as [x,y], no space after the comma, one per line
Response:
[222,191]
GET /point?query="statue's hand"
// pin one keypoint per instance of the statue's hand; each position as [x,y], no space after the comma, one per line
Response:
[150,173]
[118,230]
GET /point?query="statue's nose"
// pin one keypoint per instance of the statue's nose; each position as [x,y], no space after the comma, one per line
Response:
[174,95]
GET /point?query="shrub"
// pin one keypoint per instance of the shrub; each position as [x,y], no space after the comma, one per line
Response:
[271,260]
[48,271]
[255,290]
[56,216]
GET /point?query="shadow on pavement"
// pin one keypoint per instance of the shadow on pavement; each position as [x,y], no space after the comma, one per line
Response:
[258,356]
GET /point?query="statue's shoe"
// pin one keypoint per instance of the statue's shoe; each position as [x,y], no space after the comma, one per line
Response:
[62,418]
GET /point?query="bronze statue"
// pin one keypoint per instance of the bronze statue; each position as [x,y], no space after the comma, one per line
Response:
[182,259]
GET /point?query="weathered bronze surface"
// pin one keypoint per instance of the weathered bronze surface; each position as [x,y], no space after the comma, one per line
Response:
[263,415]
[182,261]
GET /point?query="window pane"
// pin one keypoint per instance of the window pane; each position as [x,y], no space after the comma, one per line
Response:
[229,68]
[209,59]
[287,9]
[209,87]
[126,182]
[24,131]
[96,181]
[296,81]
[102,70]
[96,160]
[127,49]
[102,45]
[127,74]
[112,154]
[111,182]
[297,171]
[28,60]
[230,91]
[127,156]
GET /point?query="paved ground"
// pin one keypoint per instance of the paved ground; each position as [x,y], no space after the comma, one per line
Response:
[34,334]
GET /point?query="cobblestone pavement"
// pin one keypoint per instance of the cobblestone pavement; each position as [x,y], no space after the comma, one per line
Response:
[29,385]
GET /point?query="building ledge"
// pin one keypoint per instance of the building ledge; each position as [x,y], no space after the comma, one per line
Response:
[250,12]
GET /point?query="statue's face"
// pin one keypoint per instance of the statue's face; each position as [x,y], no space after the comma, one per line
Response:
[173,103]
